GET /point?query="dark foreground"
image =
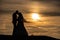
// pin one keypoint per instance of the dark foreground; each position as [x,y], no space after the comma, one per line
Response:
[6,37]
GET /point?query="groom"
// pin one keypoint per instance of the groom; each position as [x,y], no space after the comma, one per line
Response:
[14,21]
[14,18]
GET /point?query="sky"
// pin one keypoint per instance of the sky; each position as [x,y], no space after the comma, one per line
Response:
[45,6]
[49,10]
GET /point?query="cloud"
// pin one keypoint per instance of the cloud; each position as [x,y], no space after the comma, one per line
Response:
[13,1]
[6,11]
[51,13]
[50,6]
[46,0]
[54,2]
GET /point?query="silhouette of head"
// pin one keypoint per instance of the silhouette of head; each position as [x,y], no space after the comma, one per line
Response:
[17,11]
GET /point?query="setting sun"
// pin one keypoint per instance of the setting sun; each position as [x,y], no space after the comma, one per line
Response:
[35,16]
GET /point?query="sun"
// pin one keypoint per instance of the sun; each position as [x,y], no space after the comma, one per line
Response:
[35,16]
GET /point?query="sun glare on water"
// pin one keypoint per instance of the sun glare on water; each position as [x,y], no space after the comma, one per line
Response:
[35,16]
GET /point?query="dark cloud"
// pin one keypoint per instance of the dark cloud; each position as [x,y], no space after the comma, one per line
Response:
[13,2]
[6,11]
[54,2]
[7,2]
[51,13]
[46,0]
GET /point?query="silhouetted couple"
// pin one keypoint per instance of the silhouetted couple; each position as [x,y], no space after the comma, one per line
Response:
[18,23]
